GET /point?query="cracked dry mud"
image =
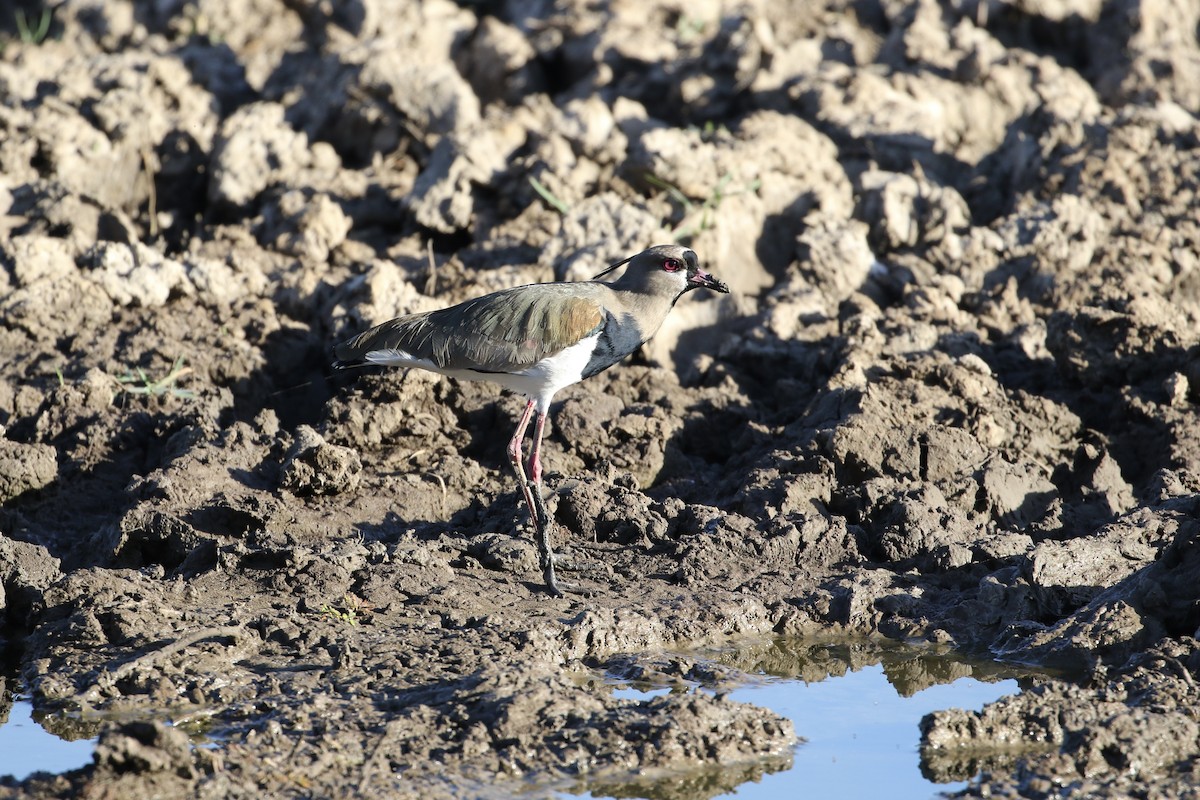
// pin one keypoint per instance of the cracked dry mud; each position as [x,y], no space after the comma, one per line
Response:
[952,399]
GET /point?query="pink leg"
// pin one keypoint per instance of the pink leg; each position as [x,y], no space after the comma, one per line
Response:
[514,446]
[514,458]
[535,453]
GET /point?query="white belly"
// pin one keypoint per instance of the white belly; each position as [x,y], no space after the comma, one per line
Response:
[539,382]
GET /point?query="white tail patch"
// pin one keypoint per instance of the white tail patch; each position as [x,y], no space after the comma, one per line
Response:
[396,358]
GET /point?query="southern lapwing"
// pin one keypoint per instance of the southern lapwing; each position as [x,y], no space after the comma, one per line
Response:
[536,340]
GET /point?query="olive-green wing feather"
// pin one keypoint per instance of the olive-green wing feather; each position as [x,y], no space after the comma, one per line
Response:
[501,332]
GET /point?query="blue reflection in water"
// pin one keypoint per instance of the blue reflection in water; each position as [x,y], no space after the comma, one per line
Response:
[26,747]
[862,736]
[857,706]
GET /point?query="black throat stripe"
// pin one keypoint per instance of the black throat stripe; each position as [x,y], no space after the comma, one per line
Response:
[618,338]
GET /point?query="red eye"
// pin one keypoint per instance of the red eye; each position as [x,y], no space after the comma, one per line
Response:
[672,265]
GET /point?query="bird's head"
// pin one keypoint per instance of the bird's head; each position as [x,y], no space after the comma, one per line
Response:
[668,269]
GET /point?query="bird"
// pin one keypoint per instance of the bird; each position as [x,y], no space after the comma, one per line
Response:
[536,340]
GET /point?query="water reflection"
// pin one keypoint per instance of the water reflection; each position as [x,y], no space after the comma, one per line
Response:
[28,745]
[700,783]
[908,668]
[950,766]
[57,741]
[854,701]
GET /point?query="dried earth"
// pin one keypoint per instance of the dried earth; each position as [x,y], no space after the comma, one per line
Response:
[952,399]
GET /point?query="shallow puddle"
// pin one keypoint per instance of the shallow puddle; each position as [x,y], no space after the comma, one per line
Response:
[858,709]
[26,747]
[862,736]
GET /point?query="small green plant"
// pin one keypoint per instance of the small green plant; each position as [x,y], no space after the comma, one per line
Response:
[689,28]
[199,25]
[138,382]
[351,610]
[710,130]
[33,34]
[548,196]
[671,189]
[689,225]
[347,616]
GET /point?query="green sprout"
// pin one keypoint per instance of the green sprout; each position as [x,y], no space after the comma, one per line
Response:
[37,33]
[689,226]
[709,131]
[352,609]
[138,382]
[689,28]
[548,196]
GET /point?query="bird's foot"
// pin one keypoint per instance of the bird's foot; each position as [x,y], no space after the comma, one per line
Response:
[558,561]
[552,584]
[590,567]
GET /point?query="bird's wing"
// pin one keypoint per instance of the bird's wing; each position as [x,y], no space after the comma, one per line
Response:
[502,332]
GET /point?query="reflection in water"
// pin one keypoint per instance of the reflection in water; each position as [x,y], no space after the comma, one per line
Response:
[855,716]
[847,718]
[948,766]
[700,783]
[908,668]
[56,741]
[27,747]
[69,727]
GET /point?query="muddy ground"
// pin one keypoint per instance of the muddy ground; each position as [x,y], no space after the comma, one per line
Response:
[952,398]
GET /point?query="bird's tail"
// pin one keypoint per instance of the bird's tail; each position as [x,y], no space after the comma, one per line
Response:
[348,364]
